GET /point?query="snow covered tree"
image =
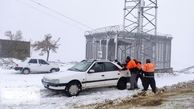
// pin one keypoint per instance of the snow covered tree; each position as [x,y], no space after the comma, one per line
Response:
[46,45]
[9,34]
[17,36]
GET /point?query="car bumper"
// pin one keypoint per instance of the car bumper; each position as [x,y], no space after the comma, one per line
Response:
[18,68]
[54,86]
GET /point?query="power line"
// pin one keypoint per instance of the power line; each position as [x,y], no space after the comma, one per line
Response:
[56,12]
[35,8]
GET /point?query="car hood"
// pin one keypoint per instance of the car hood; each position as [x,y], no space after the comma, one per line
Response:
[65,75]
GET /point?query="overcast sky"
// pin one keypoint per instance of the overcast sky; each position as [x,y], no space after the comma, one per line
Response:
[175,17]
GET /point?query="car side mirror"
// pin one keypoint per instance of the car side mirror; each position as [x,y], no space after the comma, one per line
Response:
[91,71]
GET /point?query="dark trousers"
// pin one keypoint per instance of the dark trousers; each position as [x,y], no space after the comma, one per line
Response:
[139,75]
[133,78]
[133,81]
[151,82]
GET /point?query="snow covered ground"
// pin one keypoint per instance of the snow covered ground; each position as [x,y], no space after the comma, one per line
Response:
[19,91]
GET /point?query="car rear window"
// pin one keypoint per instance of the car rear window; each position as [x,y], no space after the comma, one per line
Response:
[110,67]
[33,61]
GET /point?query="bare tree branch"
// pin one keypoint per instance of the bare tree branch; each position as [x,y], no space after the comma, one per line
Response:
[11,36]
[46,45]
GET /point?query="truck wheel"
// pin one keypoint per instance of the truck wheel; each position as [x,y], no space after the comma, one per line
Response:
[122,84]
[73,89]
[26,71]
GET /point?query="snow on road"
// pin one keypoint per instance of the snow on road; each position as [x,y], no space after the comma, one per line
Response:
[18,91]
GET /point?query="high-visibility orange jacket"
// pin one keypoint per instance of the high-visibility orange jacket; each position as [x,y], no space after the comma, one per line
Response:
[148,67]
[131,64]
[139,66]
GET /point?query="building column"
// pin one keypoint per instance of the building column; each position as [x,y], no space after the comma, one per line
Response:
[116,46]
[93,48]
[100,50]
[107,42]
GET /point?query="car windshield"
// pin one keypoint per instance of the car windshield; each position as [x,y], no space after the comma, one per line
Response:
[81,66]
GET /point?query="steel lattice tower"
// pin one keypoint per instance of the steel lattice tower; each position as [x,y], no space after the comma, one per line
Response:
[140,16]
[138,38]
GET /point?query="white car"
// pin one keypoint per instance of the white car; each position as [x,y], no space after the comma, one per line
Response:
[87,74]
[36,65]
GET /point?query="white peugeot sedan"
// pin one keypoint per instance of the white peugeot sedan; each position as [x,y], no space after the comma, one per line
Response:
[87,74]
[36,65]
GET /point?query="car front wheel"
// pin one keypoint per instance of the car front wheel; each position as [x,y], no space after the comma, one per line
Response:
[122,84]
[73,89]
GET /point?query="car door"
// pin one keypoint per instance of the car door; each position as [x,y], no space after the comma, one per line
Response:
[112,74]
[95,76]
[44,66]
[33,65]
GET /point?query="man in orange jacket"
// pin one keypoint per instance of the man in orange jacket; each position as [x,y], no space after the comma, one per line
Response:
[139,72]
[132,67]
[148,75]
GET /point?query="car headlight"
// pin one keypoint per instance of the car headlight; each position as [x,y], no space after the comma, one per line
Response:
[54,81]
[45,79]
[51,80]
